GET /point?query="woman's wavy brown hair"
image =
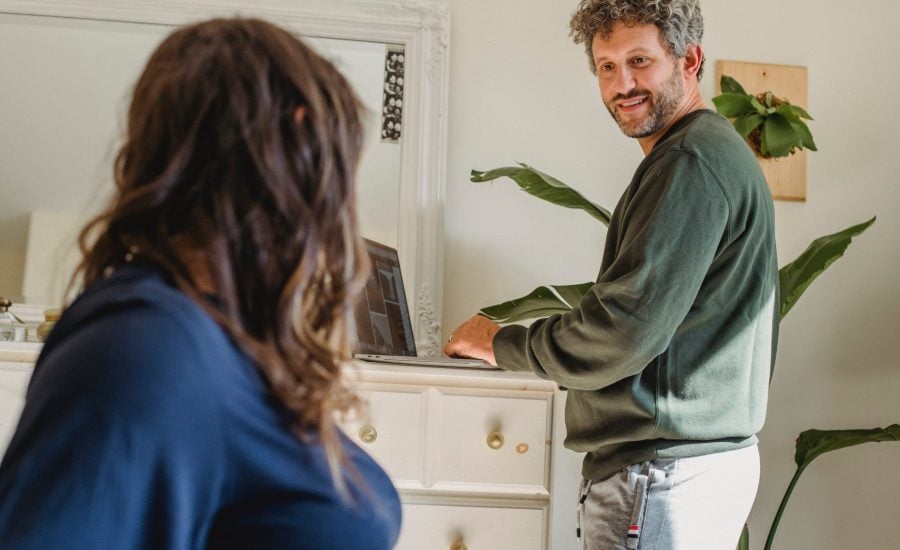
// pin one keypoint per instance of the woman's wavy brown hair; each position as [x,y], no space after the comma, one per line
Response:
[243,143]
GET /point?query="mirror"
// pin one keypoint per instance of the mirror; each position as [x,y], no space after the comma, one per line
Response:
[68,69]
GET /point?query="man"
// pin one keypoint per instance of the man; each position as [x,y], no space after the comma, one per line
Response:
[667,358]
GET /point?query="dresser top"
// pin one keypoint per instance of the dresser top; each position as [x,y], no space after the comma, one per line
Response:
[27,352]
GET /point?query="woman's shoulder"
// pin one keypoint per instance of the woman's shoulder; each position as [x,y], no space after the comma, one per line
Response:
[135,292]
[132,338]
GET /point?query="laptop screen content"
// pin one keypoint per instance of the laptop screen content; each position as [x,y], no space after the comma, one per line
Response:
[383,324]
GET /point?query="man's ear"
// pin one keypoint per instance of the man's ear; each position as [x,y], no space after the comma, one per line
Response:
[693,59]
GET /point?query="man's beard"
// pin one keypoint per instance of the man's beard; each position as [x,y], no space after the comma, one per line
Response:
[663,104]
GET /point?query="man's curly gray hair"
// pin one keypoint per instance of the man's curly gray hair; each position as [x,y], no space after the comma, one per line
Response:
[679,21]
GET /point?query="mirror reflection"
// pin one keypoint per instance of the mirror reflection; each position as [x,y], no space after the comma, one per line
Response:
[65,89]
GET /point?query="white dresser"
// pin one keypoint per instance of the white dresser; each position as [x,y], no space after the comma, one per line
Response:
[476,454]
[469,450]
[16,362]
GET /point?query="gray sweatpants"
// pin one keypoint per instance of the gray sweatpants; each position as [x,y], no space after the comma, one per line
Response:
[697,503]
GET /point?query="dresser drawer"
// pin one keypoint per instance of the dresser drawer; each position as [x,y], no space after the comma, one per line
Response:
[392,429]
[498,441]
[474,527]
[13,383]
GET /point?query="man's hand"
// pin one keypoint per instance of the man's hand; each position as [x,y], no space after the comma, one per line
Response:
[475,339]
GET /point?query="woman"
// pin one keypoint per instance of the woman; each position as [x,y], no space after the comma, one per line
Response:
[186,399]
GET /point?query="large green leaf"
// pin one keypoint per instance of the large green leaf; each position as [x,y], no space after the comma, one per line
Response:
[572,294]
[780,136]
[544,187]
[540,302]
[814,443]
[795,277]
[730,85]
[733,105]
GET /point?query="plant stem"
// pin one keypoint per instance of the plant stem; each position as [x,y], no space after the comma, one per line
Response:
[781,507]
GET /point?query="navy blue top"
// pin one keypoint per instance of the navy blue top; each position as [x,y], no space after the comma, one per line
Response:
[145,427]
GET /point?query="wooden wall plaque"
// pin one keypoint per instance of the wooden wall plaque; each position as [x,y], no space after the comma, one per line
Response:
[786,175]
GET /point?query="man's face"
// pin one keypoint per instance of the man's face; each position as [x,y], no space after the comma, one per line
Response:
[640,82]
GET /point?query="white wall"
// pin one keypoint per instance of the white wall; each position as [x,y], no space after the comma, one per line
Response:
[521,91]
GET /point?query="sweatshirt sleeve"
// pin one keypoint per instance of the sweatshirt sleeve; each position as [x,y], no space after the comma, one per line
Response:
[119,444]
[667,232]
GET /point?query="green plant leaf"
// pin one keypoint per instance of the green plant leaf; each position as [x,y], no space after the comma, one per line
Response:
[805,135]
[730,86]
[747,123]
[744,542]
[813,443]
[795,277]
[788,113]
[572,294]
[544,187]
[800,112]
[760,108]
[733,105]
[540,302]
[780,136]
[763,147]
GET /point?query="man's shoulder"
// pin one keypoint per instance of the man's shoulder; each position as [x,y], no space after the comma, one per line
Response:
[706,132]
[709,139]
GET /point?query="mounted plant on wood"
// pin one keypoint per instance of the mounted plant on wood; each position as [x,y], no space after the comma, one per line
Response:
[771,125]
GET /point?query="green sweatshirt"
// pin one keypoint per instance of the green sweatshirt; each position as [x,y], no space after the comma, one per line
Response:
[670,352]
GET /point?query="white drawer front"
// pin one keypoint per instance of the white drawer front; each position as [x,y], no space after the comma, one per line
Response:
[397,442]
[13,383]
[494,441]
[438,527]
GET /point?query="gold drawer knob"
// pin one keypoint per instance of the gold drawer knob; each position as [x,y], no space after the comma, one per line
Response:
[459,545]
[495,440]
[368,434]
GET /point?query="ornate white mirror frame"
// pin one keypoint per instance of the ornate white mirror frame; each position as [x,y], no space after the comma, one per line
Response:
[422,27]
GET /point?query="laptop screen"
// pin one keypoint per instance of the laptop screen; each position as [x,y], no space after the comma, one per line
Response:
[383,325]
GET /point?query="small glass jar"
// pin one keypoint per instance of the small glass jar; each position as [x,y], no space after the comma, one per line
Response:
[12,329]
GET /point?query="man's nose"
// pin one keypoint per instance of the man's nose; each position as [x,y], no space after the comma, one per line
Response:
[624,82]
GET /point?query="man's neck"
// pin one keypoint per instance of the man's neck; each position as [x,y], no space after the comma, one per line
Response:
[692,102]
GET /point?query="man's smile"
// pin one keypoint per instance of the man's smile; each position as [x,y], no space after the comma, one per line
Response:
[630,104]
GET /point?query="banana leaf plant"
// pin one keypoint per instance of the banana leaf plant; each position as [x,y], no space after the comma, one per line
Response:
[771,125]
[794,278]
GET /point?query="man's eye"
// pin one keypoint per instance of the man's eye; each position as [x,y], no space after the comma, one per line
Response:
[639,61]
[606,67]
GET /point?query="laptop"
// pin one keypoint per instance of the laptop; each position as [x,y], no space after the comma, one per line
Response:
[383,325]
